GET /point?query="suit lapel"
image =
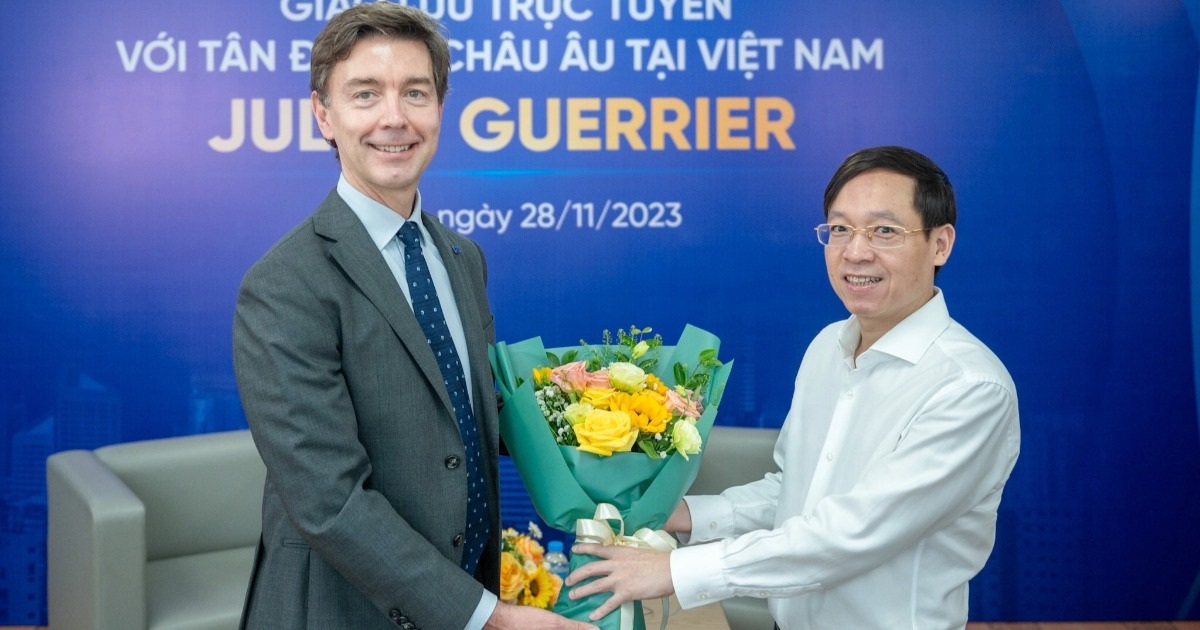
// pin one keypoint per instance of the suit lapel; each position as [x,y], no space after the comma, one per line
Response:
[352,249]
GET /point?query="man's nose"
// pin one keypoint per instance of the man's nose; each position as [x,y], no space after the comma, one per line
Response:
[395,112]
[858,248]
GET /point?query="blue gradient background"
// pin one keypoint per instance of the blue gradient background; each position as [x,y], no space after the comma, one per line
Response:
[1068,128]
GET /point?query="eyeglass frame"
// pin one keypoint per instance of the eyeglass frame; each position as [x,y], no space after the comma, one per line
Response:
[867,231]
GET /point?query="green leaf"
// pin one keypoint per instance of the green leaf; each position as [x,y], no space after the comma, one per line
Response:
[647,447]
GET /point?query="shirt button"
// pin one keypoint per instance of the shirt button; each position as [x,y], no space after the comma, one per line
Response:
[762,594]
[452,462]
[829,455]
[458,540]
[713,525]
[702,596]
[850,394]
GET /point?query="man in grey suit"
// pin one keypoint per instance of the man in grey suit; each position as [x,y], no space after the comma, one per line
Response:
[381,466]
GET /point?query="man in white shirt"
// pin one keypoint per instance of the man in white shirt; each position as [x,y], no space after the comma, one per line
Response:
[902,432]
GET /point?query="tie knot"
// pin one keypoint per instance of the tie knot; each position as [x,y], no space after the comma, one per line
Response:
[410,236]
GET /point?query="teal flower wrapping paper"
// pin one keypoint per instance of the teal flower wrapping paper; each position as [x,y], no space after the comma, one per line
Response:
[566,484]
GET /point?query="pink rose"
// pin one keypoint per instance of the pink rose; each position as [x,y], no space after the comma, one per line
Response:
[598,379]
[570,376]
[682,406]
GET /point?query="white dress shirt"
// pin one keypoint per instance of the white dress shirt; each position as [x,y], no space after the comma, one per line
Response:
[382,225]
[892,467]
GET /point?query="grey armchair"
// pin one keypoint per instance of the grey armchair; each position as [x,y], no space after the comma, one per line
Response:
[734,456]
[157,534]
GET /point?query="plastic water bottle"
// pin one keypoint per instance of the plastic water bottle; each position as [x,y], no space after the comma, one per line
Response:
[555,560]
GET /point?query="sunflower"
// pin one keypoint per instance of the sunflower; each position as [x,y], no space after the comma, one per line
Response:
[647,411]
[542,589]
[655,384]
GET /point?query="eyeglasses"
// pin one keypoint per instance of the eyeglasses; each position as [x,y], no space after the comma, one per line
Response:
[878,236]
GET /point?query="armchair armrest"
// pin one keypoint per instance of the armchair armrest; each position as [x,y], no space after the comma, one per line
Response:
[97,546]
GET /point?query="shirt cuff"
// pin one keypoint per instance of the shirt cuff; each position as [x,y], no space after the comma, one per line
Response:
[712,518]
[483,612]
[697,575]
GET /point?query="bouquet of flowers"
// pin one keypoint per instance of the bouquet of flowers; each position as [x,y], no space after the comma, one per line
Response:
[524,578]
[608,438]
[612,402]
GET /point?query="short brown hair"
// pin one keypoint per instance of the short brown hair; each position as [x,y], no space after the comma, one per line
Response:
[362,21]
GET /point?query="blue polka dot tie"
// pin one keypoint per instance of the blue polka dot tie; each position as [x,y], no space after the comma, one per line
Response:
[428,310]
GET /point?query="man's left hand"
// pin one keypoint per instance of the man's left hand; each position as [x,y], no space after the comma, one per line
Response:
[626,572]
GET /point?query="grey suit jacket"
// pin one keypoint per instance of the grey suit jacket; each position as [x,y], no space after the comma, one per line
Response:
[364,497]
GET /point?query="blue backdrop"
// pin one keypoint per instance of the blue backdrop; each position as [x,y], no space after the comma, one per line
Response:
[634,162]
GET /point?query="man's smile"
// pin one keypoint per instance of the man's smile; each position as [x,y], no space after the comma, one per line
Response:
[392,148]
[861,281]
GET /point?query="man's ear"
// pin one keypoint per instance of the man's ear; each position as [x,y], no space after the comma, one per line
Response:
[943,239]
[321,114]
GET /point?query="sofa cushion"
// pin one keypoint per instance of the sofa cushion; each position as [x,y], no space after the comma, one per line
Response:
[198,592]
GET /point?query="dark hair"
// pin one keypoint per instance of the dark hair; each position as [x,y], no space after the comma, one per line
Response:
[933,195]
[362,21]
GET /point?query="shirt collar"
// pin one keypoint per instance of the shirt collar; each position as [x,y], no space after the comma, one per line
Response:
[381,222]
[907,340]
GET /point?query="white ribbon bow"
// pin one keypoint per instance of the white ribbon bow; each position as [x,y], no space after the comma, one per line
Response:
[598,530]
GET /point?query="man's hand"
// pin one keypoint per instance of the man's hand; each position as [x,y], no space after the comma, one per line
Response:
[510,617]
[628,573]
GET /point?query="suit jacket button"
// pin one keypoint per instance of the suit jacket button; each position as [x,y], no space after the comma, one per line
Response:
[458,540]
[452,462]
[394,614]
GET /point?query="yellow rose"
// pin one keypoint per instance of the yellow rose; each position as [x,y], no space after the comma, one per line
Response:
[599,397]
[512,578]
[605,432]
[626,377]
[686,438]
